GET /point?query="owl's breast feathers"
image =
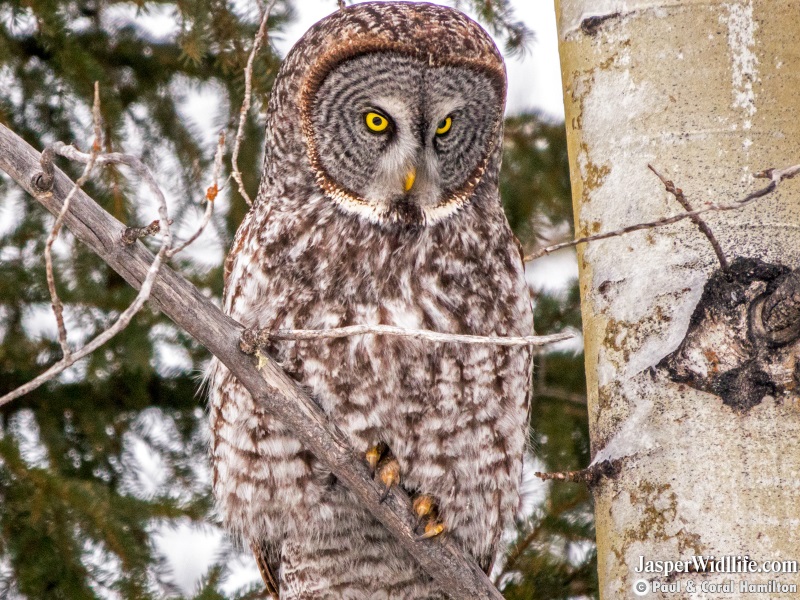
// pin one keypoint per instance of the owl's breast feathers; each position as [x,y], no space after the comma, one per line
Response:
[455,416]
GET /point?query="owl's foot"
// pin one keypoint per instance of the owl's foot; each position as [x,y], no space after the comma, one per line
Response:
[425,508]
[383,464]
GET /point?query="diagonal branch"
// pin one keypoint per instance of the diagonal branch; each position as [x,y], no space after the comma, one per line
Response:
[441,559]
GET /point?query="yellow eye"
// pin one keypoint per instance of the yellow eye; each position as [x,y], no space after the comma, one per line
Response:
[376,122]
[444,126]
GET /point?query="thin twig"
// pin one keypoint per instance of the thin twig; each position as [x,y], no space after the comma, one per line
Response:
[776,176]
[522,546]
[253,339]
[58,307]
[559,394]
[211,194]
[121,323]
[248,90]
[697,220]
[124,319]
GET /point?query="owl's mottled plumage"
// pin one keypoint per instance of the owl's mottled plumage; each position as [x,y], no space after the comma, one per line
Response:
[335,238]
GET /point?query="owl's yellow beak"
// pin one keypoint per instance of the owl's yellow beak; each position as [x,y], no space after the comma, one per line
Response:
[410,178]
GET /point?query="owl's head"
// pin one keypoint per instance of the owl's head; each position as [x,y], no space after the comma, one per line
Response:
[401,107]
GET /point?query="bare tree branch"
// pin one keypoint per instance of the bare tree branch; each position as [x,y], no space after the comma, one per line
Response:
[590,475]
[211,195]
[775,175]
[269,386]
[58,307]
[70,358]
[697,220]
[248,91]
[262,337]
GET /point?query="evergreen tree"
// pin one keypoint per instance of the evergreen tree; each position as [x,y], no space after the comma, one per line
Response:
[77,515]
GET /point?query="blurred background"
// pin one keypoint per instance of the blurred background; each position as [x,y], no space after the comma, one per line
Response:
[104,481]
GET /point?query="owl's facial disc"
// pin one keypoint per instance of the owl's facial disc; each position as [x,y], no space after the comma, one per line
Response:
[396,139]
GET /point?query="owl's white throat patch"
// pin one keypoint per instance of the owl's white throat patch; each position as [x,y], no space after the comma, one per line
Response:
[403,210]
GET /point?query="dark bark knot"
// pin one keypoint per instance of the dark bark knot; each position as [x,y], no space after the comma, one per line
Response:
[743,339]
[591,25]
[42,180]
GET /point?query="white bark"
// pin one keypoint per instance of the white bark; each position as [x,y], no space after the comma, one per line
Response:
[704,91]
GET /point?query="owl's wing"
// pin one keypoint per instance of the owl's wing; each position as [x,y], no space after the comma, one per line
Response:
[270,581]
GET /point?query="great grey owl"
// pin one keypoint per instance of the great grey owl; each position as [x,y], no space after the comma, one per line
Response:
[379,204]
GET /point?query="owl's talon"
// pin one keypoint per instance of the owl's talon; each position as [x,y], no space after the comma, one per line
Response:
[374,455]
[424,506]
[389,474]
[432,529]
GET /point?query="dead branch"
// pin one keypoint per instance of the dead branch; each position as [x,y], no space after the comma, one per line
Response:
[440,558]
[559,394]
[591,475]
[47,177]
[255,338]
[697,220]
[775,175]
[248,91]
[211,195]
[31,184]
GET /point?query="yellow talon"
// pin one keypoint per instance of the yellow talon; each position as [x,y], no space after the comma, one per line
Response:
[423,506]
[373,456]
[389,474]
[432,529]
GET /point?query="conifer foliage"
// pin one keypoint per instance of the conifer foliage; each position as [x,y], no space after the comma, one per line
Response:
[93,464]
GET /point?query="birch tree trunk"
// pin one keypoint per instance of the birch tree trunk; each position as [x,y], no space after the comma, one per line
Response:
[705,426]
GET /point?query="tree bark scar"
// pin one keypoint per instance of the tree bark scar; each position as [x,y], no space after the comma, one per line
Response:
[731,348]
[591,25]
